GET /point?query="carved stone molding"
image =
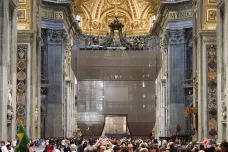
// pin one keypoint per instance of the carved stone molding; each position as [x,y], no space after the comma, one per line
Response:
[25,36]
[56,36]
[174,37]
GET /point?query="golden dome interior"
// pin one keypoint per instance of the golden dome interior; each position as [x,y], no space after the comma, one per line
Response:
[96,15]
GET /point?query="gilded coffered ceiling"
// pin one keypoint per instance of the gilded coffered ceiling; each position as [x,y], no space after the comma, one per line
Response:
[96,15]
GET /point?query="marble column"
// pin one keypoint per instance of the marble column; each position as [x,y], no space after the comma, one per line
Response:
[222,57]
[175,95]
[56,77]
[207,101]
[163,109]
[8,53]
[225,47]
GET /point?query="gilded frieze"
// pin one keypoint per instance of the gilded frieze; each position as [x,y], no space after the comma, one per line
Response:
[24,15]
[209,14]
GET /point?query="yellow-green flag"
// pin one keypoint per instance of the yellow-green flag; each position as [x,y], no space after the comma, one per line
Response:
[23,140]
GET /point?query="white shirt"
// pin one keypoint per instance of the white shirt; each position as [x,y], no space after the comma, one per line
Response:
[14,143]
[63,142]
[4,149]
[56,150]
[12,150]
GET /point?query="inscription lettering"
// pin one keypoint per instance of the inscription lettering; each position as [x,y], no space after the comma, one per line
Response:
[180,15]
[58,15]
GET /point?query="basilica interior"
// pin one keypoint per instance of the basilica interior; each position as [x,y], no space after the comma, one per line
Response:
[133,68]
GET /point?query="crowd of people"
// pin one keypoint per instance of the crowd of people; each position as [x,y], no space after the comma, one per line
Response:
[8,146]
[105,144]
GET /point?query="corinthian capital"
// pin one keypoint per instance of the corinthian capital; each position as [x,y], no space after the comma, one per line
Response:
[56,36]
[175,36]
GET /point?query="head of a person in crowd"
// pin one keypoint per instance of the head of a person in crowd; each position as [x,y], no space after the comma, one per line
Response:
[117,149]
[8,146]
[80,142]
[217,149]
[94,149]
[2,143]
[143,145]
[73,147]
[171,145]
[101,148]
[195,149]
[88,149]
[201,147]
[85,144]
[124,149]
[143,150]
[224,146]
[155,141]
[114,142]
[130,147]
[138,149]
[153,148]
[212,148]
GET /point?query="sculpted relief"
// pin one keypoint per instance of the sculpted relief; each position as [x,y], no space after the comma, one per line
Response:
[10,112]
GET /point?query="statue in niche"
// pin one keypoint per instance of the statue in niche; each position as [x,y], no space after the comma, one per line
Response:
[223,104]
[10,99]
[36,114]
[36,111]
[10,112]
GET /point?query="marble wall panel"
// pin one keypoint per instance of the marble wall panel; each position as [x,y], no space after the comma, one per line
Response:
[22,50]
[212,89]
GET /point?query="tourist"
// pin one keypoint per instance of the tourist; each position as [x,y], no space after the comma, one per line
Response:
[3,147]
[30,149]
[94,149]
[66,148]
[117,149]
[9,148]
[80,147]
[14,143]
[73,148]
[201,149]
[124,148]
[130,147]
[143,150]
[153,148]
[101,148]
[224,146]
[49,147]
[88,149]
[58,149]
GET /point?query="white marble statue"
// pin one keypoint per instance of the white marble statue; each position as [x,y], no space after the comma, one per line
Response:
[223,104]
[10,99]
[10,112]
[36,114]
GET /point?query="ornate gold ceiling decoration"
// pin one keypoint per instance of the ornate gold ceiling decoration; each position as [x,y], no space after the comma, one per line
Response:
[96,15]
[116,2]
